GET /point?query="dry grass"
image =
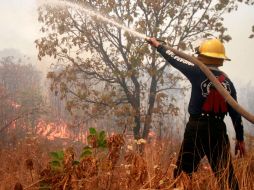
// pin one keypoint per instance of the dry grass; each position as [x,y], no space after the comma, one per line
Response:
[117,167]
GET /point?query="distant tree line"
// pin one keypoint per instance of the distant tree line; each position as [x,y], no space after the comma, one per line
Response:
[20,93]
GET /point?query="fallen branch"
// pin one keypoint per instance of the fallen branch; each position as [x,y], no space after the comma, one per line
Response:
[19,117]
[33,184]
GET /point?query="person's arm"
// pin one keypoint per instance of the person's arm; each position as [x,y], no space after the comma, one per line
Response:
[177,62]
[185,68]
[238,126]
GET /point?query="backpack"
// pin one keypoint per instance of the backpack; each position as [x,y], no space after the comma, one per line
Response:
[214,102]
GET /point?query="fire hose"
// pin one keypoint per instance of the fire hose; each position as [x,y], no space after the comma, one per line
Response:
[229,99]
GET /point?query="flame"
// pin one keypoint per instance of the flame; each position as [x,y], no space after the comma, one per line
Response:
[60,129]
[13,125]
[53,130]
[14,104]
[152,134]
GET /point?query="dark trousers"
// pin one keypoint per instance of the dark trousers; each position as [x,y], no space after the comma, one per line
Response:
[207,137]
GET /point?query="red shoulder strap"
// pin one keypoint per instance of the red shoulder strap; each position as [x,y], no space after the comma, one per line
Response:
[214,102]
[221,78]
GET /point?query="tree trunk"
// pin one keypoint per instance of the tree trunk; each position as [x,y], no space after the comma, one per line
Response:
[136,129]
[147,127]
[148,119]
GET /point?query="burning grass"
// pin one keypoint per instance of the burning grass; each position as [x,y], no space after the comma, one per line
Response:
[107,163]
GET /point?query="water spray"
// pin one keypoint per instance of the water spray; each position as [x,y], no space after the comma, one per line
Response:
[99,16]
[92,13]
[192,59]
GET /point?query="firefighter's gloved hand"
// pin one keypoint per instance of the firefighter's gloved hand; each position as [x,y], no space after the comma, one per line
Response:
[153,41]
[240,148]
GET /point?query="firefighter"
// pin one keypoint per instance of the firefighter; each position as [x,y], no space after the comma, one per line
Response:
[205,133]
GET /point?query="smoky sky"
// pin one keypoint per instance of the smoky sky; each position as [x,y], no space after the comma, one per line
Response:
[19,29]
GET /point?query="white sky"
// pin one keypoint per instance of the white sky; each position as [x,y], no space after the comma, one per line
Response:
[19,29]
[18,25]
[240,49]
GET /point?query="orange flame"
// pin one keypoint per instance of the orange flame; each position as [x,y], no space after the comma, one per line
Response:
[59,130]
[14,104]
[152,134]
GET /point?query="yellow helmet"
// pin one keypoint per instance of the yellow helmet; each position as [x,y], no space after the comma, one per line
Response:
[213,48]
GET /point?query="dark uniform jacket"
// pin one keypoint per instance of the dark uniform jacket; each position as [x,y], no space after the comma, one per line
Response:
[201,87]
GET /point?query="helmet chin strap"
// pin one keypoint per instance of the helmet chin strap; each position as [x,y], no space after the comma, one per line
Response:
[214,67]
[210,61]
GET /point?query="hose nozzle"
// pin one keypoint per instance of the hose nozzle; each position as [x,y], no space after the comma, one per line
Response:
[147,39]
[160,40]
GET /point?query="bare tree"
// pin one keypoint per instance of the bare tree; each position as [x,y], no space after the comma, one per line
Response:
[107,70]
